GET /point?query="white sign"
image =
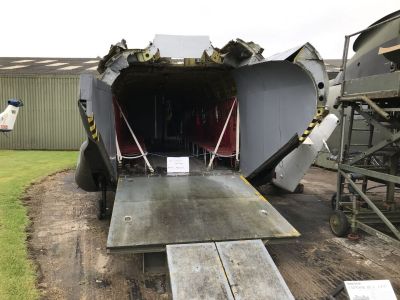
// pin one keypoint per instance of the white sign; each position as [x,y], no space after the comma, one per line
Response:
[370,290]
[178,164]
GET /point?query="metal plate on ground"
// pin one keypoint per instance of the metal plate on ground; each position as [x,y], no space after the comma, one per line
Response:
[151,212]
[224,270]
[196,272]
[251,272]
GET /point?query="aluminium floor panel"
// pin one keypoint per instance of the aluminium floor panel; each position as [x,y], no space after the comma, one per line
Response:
[152,212]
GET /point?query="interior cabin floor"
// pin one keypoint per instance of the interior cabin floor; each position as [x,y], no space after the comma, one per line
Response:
[158,160]
[66,235]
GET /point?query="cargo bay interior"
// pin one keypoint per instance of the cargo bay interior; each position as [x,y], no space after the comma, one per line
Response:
[176,111]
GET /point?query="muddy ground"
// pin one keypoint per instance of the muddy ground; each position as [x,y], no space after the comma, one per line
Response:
[317,262]
[67,243]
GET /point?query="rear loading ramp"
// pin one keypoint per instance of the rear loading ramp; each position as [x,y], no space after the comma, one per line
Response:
[152,212]
[224,270]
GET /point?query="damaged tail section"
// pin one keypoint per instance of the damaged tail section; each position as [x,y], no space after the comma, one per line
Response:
[9,115]
[178,89]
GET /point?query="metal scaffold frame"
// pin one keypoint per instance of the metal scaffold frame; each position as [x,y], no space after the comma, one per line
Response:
[355,204]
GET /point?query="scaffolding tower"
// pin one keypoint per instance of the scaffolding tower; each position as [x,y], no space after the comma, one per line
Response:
[368,172]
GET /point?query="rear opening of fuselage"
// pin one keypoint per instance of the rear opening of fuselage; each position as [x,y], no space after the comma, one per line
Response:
[176,111]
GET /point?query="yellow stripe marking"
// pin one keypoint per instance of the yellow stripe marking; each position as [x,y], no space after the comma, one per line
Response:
[256,192]
[245,180]
[317,119]
[262,197]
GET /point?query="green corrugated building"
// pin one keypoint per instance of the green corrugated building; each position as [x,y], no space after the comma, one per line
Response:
[49,89]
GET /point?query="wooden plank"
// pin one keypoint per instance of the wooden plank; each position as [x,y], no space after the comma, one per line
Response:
[196,272]
[251,272]
[383,50]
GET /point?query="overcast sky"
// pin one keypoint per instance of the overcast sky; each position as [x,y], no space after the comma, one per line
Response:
[71,28]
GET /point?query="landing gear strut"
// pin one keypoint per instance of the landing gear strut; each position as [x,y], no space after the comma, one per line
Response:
[102,202]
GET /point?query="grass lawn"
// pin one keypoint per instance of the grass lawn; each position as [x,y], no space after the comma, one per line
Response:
[17,170]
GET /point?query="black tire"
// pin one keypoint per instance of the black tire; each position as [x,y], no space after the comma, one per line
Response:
[339,224]
[299,189]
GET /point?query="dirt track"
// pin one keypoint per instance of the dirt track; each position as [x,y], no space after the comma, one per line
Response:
[67,243]
[314,264]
